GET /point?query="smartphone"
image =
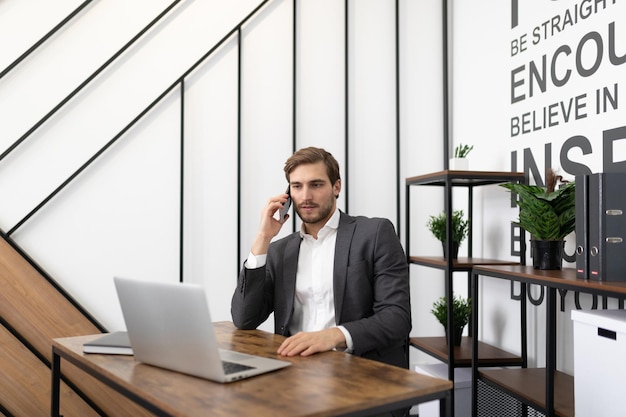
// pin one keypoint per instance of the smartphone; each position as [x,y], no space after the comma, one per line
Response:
[285,209]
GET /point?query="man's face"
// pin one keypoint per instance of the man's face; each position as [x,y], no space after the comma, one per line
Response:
[313,195]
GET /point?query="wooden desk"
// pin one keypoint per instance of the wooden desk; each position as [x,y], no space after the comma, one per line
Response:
[326,384]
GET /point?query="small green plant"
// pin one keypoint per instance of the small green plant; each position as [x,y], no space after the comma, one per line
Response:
[461,150]
[547,213]
[460,226]
[461,311]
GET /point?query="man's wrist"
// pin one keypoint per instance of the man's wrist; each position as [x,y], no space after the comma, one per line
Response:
[261,244]
[346,340]
[255,261]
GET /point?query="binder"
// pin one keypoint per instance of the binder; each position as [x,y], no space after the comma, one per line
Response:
[607,226]
[582,224]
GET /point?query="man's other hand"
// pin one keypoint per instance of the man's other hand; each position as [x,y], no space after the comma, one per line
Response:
[308,343]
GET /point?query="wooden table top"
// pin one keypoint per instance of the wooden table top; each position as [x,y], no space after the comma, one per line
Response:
[325,384]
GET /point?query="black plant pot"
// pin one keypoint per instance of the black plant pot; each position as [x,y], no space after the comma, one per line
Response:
[457,336]
[455,250]
[547,254]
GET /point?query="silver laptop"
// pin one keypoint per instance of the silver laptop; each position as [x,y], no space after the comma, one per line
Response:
[169,326]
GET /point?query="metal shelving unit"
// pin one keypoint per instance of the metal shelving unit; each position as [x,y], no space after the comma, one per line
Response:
[439,347]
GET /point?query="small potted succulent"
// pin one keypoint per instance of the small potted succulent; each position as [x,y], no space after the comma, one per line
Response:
[461,313]
[460,162]
[460,229]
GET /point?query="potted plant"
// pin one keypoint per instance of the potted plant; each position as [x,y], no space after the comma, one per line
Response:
[459,161]
[548,214]
[460,229]
[461,312]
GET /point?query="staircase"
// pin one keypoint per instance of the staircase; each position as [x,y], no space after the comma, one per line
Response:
[33,311]
[34,308]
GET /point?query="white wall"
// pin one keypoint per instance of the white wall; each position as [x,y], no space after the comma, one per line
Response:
[121,216]
[486,53]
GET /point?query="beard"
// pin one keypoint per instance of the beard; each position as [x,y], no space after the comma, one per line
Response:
[323,212]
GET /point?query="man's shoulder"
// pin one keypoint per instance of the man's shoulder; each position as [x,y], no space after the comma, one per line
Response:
[364,219]
[368,224]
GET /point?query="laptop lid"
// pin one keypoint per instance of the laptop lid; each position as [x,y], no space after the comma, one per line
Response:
[169,326]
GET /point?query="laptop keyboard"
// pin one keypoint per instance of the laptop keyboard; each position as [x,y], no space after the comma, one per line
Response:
[232,367]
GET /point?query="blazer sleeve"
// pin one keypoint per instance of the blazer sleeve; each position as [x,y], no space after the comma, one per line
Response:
[380,315]
[252,300]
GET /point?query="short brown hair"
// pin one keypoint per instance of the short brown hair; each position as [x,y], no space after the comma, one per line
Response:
[312,155]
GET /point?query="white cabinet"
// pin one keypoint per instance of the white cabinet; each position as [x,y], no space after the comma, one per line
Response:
[599,365]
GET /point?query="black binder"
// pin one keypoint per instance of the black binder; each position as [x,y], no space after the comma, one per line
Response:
[582,226]
[607,226]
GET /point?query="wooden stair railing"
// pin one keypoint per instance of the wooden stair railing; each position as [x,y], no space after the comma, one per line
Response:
[32,313]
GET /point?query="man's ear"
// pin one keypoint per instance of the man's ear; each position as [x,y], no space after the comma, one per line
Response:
[337,188]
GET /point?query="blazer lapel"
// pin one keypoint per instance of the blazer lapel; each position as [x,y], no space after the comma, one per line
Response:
[340,268]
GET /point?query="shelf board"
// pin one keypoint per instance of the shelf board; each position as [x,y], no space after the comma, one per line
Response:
[529,384]
[488,355]
[466,178]
[561,279]
[460,264]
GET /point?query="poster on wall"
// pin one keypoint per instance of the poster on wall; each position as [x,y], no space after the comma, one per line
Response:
[567,83]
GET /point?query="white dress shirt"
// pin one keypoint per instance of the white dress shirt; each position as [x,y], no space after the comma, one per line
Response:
[314,303]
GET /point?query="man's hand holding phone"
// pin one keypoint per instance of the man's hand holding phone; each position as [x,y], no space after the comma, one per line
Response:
[270,226]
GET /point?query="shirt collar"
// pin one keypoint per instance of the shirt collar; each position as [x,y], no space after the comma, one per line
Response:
[331,224]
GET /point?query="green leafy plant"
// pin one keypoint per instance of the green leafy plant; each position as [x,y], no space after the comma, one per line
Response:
[461,150]
[460,226]
[461,311]
[547,213]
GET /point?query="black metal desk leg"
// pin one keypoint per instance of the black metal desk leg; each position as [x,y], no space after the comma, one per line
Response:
[56,384]
[445,405]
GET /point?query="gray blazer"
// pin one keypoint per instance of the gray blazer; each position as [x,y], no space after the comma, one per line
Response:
[371,288]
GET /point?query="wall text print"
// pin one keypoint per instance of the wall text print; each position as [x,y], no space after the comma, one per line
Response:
[565,78]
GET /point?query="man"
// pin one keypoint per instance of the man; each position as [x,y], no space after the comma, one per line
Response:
[341,282]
